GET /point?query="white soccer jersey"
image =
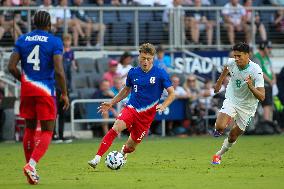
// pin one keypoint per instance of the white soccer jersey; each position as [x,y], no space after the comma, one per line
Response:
[237,90]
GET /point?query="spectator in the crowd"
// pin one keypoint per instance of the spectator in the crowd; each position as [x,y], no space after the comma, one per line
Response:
[104,92]
[2,84]
[144,2]
[280,84]
[88,25]
[7,21]
[279,21]
[180,93]
[207,92]
[73,24]
[257,22]
[167,12]
[198,20]
[220,96]
[68,59]
[1,109]
[124,65]
[2,31]
[112,72]
[99,2]
[117,86]
[262,58]
[47,6]
[161,60]
[21,17]
[234,18]
[115,3]
[190,85]
[68,64]
[207,106]
[191,2]
[277,2]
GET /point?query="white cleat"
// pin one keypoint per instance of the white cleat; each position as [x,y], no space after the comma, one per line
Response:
[94,162]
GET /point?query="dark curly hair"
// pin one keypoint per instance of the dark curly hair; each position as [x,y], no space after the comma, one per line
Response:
[42,19]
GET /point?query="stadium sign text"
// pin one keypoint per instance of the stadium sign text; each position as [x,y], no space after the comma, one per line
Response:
[205,65]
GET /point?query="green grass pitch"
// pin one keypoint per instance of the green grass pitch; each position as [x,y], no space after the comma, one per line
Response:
[254,162]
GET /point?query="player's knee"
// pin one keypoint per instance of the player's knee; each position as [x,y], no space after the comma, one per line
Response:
[219,126]
[119,126]
[116,129]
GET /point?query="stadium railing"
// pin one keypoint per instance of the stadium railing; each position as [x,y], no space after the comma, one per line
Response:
[88,117]
[127,27]
[89,114]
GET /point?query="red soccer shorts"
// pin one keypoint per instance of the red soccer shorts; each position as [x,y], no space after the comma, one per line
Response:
[38,107]
[137,123]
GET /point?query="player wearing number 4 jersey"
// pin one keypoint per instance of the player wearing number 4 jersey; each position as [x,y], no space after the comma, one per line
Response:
[146,84]
[245,89]
[40,54]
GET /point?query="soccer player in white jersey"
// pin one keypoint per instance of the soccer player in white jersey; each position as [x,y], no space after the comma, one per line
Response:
[245,89]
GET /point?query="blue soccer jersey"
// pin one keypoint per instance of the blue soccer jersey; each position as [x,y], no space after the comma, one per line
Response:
[36,50]
[146,88]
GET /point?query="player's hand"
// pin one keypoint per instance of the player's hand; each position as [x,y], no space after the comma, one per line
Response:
[225,70]
[160,108]
[65,99]
[104,107]
[217,88]
[249,81]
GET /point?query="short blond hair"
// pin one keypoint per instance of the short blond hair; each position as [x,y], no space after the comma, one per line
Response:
[67,36]
[147,48]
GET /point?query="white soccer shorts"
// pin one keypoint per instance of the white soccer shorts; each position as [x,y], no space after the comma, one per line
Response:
[241,116]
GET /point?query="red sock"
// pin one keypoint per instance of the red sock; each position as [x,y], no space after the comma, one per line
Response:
[29,142]
[42,145]
[106,142]
[128,149]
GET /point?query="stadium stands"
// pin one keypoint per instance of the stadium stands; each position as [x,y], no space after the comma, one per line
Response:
[120,25]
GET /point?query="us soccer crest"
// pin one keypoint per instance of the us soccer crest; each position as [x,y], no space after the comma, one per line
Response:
[152,80]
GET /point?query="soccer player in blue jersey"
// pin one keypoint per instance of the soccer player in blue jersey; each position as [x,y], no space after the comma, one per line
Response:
[146,84]
[40,54]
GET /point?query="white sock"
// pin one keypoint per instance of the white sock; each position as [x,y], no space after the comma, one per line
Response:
[97,158]
[32,163]
[122,150]
[225,147]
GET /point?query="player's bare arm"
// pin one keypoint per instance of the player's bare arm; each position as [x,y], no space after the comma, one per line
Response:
[219,82]
[12,66]
[60,79]
[258,92]
[105,106]
[168,100]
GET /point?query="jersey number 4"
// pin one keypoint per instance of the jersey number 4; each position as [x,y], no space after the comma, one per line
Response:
[33,58]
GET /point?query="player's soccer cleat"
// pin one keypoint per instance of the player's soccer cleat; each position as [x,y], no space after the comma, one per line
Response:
[31,174]
[94,162]
[216,133]
[216,160]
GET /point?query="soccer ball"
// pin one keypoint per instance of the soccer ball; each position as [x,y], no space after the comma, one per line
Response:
[115,160]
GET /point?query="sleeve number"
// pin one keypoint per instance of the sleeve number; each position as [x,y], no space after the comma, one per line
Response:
[33,58]
[135,88]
